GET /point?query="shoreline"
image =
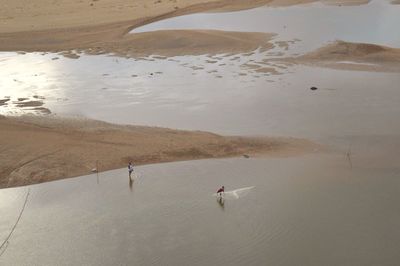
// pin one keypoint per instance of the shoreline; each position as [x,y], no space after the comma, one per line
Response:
[36,16]
[94,27]
[39,149]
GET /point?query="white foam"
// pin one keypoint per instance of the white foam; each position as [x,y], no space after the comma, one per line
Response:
[235,194]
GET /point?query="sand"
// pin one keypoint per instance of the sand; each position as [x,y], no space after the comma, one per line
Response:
[185,42]
[37,149]
[353,56]
[103,26]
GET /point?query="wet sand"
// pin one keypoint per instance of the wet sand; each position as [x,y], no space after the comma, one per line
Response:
[39,149]
[186,42]
[354,56]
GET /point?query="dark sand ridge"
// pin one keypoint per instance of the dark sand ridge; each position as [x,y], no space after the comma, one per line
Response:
[39,149]
[366,57]
[102,26]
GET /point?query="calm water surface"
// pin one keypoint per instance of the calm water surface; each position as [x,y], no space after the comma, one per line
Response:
[313,210]
[347,103]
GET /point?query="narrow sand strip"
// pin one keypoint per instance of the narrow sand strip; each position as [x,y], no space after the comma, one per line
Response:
[39,149]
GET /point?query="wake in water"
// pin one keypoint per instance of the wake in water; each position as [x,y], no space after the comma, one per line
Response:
[235,194]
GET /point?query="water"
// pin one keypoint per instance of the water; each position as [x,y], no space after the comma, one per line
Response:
[312,210]
[101,87]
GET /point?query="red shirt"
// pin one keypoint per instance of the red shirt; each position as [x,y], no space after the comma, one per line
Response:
[220,190]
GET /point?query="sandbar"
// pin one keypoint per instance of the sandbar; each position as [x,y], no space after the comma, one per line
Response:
[37,149]
[352,56]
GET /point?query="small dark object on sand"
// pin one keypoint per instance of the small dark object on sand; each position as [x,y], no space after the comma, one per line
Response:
[246,156]
[313,88]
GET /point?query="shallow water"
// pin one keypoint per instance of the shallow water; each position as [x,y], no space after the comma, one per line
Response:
[347,103]
[312,210]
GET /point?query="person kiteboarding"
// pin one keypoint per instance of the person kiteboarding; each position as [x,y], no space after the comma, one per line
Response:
[221,191]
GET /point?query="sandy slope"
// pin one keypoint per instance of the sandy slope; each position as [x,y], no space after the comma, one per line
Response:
[367,57]
[39,149]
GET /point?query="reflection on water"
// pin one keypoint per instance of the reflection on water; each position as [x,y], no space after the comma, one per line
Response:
[92,84]
[131,184]
[347,103]
[221,202]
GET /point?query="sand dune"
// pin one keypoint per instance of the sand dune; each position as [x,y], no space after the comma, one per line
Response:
[39,149]
[354,56]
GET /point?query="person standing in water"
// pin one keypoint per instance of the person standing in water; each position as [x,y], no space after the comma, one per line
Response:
[221,191]
[130,169]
